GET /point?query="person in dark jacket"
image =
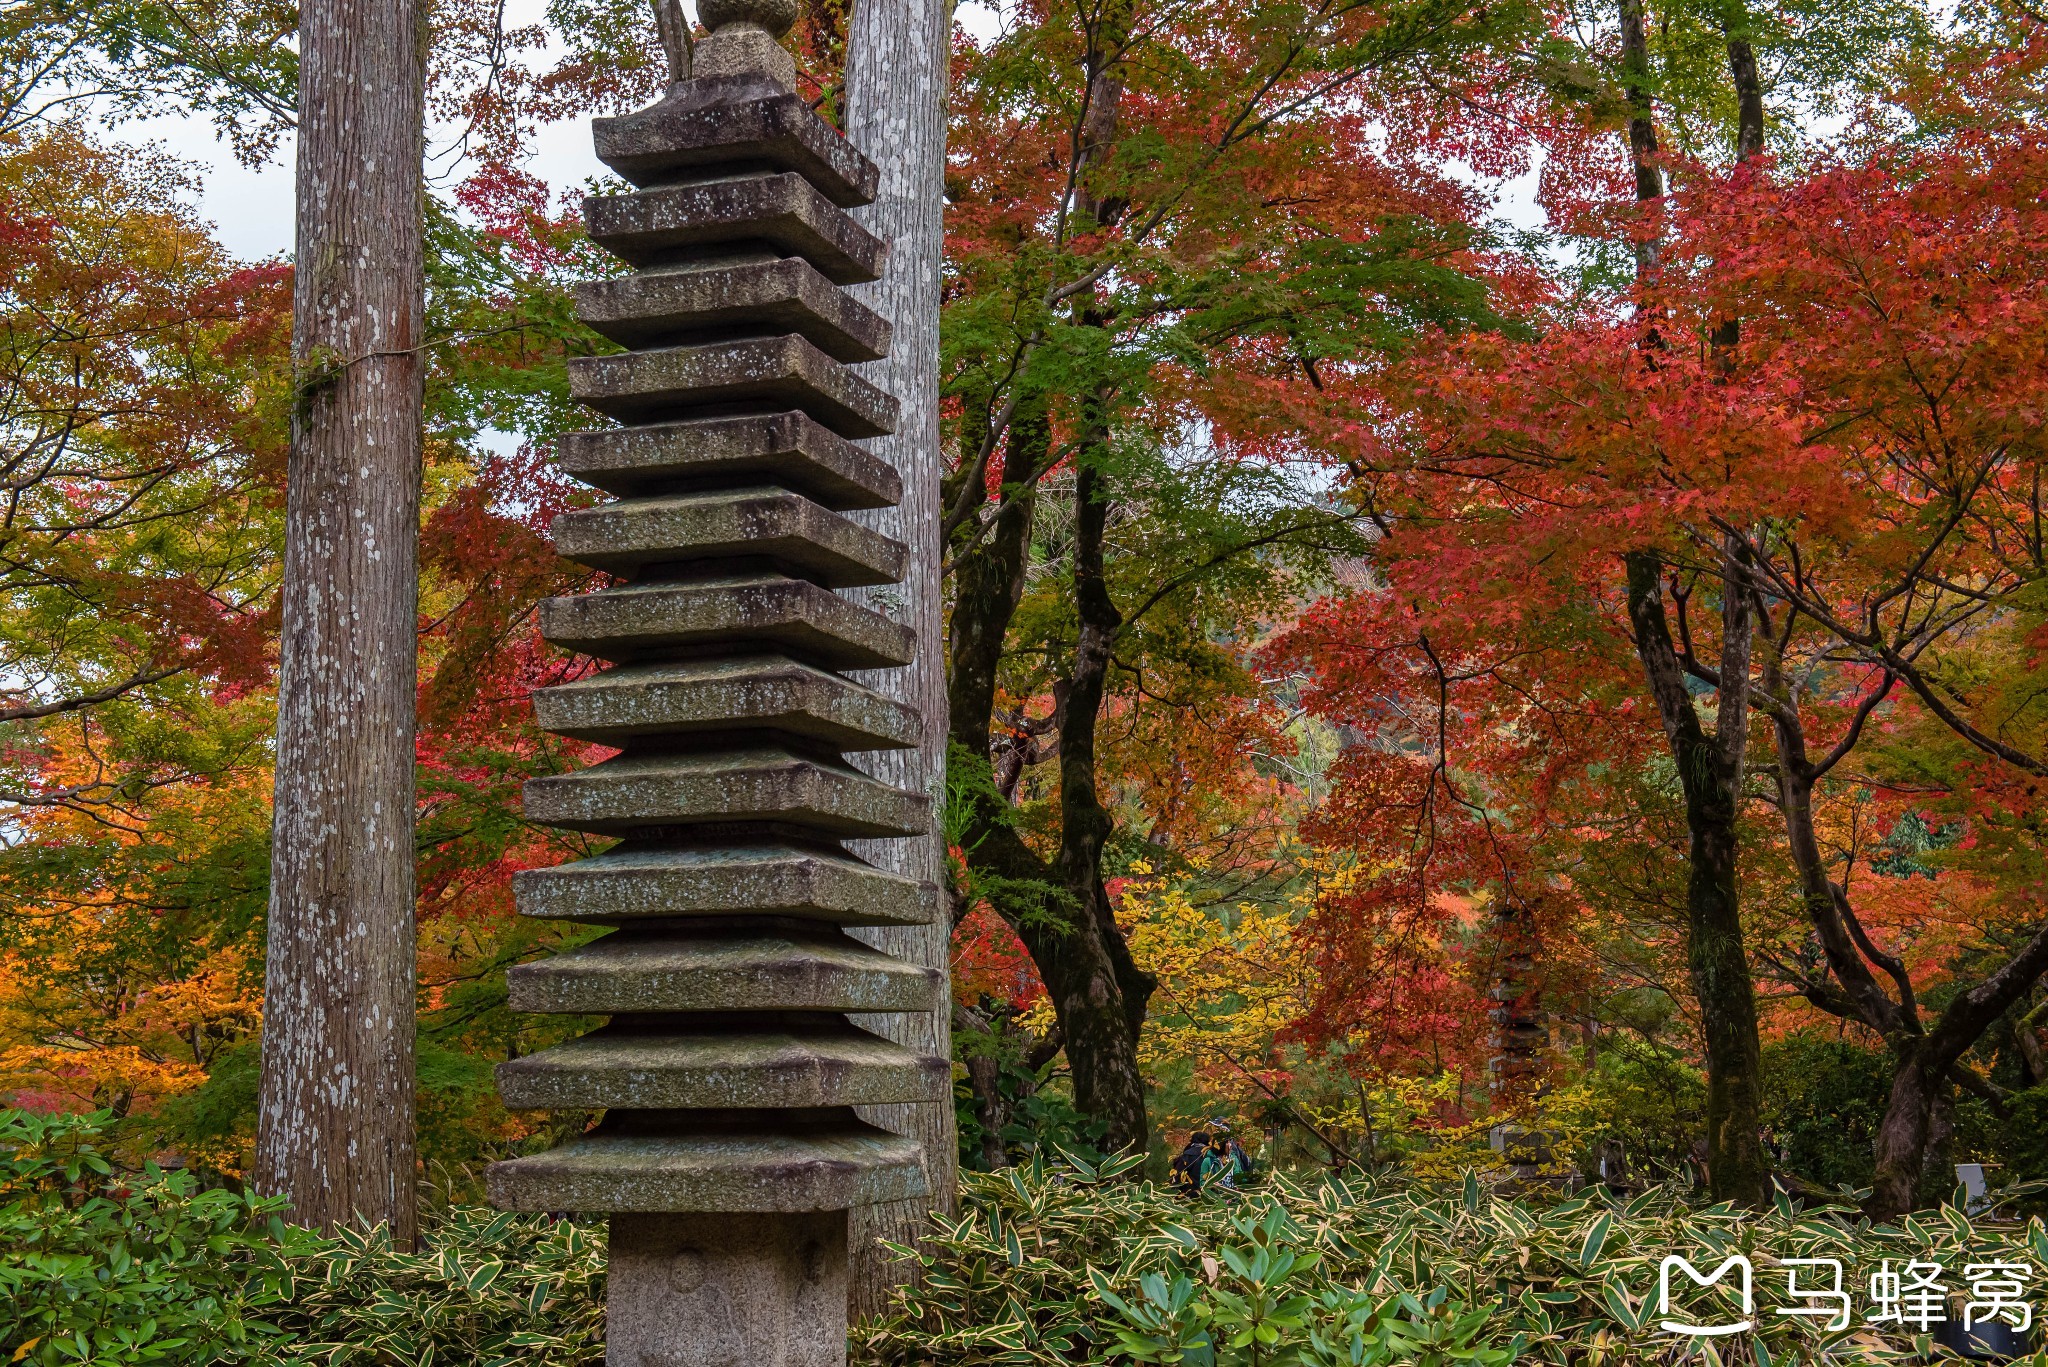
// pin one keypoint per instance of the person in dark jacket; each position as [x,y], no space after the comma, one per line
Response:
[1189,1166]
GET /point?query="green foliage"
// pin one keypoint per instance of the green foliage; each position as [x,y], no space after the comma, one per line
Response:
[456,1099]
[1341,1327]
[1256,1310]
[1032,1109]
[485,1290]
[1901,855]
[1649,1102]
[1823,1101]
[1068,1261]
[105,1268]
[1038,1114]
[971,795]
[2025,1145]
[1241,1319]
[101,1267]
[1062,1265]
[227,60]
[214,1115]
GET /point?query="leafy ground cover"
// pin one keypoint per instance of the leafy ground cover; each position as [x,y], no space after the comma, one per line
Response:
[104,1267]
[1061,1263]
[1070,1266]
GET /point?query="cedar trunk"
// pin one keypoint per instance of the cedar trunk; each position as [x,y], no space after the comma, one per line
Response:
[894,104]
[335,1128]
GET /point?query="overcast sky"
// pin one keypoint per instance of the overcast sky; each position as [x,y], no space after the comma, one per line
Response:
[252,208]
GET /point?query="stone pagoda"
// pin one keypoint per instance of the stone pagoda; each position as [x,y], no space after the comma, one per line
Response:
[728,1070]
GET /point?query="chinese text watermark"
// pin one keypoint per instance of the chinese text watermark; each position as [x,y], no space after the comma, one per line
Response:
[1917,1295]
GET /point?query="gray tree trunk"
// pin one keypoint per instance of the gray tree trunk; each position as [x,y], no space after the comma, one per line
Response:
[335,1127]
[895,111]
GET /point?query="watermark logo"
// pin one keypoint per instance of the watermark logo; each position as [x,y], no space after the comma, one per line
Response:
[1738,1262]
[1917,1296]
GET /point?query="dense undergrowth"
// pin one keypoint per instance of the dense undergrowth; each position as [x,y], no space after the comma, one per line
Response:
[103,1267]
[1067,1267]
[1067,1263]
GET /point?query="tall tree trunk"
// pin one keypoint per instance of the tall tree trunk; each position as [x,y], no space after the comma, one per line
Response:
[894,107]
[1749,86]
[1710,779]
[1058,909]
[1718,965]
[1902,1137]
[1709,768]
[1642,136]
[1102,1042]
[988,584]
[1107,994]
[335,1127]
[1906,1135]
[1716,958]
[1749,134]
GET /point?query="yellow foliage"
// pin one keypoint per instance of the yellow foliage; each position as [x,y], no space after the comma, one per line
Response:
[73,1031]
[1230,981]
[125,977]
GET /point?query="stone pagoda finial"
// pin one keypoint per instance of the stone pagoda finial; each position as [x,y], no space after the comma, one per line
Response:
[728,1071]
[744,39]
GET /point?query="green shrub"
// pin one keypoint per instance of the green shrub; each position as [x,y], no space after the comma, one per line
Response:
[1823,1099]
[485,1290]
[1267,1311]
[1038,1111]
[215,1119]
[101,1268]
[2026,1135]
[1647,1101]
[1067,1262]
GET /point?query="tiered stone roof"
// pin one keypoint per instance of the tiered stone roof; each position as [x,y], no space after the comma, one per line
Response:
[728,1068]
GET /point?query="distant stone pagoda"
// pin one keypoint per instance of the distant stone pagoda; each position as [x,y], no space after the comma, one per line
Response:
[729,1151]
